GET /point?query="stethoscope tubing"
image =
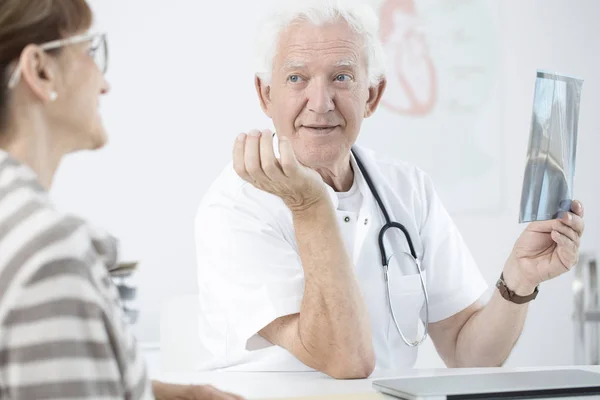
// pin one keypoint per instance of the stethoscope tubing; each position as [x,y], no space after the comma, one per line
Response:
[385,260]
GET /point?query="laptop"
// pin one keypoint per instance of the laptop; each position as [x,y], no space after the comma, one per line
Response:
[503,385]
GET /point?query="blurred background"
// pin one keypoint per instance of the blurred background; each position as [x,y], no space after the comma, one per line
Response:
[459,106]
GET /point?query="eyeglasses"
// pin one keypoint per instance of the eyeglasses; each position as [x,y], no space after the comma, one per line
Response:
[98,51]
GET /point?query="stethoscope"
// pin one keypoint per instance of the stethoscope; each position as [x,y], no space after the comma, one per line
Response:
[385,260]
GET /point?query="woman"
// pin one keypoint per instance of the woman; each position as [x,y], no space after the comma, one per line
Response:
[62,332]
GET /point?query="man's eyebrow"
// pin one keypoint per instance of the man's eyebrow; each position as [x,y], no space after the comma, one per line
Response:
[293,64]
[346,63]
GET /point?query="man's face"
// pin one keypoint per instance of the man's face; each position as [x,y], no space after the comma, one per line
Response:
[319,93]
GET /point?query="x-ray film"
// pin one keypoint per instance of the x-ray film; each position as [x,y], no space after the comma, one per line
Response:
[550,166]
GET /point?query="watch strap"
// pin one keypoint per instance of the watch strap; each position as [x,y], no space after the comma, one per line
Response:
[512,296]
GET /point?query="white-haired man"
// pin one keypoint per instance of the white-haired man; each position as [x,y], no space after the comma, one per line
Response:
[290,264]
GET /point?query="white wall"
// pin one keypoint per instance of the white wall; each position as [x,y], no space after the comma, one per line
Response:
[558,35]
[182,90]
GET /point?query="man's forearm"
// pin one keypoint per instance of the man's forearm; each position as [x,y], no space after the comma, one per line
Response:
[488,337]
[333,325]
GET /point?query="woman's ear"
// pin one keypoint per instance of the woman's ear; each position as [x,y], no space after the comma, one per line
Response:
[264,95]
[38,72]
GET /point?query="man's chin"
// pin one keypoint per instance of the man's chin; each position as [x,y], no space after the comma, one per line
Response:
[322,156]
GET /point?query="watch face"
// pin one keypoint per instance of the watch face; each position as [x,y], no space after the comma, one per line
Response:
[441,106]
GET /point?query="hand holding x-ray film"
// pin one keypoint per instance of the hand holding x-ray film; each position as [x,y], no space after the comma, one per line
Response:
[550,167]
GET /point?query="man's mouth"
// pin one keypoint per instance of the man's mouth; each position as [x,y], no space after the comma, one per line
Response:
[320,129]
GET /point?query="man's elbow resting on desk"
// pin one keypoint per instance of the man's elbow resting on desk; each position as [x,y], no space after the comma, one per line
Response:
[350,369]
[356,361]
[344,366]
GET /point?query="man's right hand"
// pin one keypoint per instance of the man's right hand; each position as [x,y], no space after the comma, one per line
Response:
[254,161]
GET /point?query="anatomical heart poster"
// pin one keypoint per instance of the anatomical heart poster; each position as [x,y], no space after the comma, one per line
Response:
[441,106]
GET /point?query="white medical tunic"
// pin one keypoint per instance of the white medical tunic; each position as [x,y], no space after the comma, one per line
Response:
[250,272]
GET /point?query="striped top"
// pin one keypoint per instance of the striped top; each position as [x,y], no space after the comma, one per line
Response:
[63,333]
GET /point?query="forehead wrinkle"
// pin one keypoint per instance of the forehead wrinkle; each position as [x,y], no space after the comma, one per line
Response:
[297,51]
[297,58]
[332,44]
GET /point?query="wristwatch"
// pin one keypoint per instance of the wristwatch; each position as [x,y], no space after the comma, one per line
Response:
[511,296]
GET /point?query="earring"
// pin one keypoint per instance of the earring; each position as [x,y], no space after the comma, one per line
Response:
[53,96]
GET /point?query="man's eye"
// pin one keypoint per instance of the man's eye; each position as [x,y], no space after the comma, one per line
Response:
[294,78]
[343,78]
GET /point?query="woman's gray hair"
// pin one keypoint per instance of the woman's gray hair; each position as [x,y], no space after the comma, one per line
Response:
[359,16]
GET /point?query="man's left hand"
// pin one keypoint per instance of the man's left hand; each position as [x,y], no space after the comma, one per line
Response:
[545,250]
[207,392]
[168,391]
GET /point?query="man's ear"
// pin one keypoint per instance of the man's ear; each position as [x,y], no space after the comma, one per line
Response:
[375,94]
[264,95]
[38,72]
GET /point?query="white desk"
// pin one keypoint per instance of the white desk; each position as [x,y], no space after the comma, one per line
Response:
[262,385]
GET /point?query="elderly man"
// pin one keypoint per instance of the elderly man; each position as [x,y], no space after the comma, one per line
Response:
[291,269]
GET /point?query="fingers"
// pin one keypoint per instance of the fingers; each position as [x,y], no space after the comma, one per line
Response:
[209,392]
[567,233]
[239,163]
[218,395]
[567,249]
[252,156]
[573,221]
[564,241]
[289,162]
[226,396]
[269,162]
[577,208]
[566,230]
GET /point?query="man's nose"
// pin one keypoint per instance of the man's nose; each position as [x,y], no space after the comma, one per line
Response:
[320,97]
